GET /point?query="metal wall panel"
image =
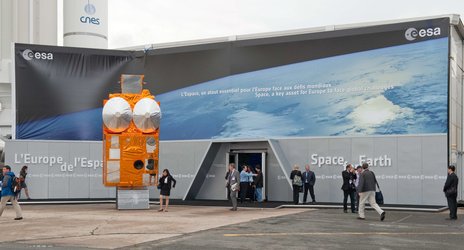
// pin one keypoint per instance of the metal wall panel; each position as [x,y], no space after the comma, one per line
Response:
[416,174]
[57,178]
[79,185]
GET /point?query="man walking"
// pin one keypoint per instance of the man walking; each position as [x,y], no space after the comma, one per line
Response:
[233,184]
[309,179]
[451,192]
[367,192]
[8,194]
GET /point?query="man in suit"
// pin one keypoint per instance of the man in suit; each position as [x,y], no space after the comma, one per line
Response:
[366,190]
[451,192]
[348,188]
[308,179]
[233,183]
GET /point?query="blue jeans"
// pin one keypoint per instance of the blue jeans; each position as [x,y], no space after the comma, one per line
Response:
[259,194]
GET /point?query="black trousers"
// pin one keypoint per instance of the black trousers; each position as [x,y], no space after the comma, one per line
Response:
[347,193]
[357,201]
[453,206]
[243,191]
[311,192]
[296,194]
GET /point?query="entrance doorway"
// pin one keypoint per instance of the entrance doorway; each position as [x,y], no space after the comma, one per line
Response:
[253,159]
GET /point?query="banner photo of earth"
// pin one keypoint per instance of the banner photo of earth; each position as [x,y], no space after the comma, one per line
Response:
[389,79]
[389,91]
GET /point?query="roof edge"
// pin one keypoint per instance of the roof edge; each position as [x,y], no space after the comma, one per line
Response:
[454,20]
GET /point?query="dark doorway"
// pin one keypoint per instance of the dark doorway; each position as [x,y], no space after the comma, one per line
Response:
[253,161]
[250,159]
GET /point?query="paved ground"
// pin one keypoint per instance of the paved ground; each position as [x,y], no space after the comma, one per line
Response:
[102,226]
[185,227]
[328,229]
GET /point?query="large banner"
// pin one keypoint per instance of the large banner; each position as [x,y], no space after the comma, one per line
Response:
[379,80]
[60,91]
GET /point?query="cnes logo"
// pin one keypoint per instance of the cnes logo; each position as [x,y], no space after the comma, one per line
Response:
[90,10]
[412,34]
[29,55]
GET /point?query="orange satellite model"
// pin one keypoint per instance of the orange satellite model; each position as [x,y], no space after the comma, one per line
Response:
[131,122]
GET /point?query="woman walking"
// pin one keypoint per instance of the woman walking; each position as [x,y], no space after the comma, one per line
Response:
[22,178]
[164,184]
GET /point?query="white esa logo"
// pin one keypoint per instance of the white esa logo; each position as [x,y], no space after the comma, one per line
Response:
[412,34]
[29,55]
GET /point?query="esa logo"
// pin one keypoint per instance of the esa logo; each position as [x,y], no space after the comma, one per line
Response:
[412,34]
[90,10]
[29,55]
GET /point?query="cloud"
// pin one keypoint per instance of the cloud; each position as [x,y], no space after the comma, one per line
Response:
[139,22]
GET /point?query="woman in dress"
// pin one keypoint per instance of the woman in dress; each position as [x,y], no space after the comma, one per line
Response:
[22,177]
[164,184]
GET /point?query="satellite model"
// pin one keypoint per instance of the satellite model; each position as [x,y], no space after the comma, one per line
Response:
[131,121]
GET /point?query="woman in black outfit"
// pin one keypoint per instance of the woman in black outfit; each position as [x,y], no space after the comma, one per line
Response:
[295,176]
[164,184]
[22,177]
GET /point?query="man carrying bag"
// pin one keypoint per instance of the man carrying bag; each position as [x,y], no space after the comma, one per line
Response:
[366,189]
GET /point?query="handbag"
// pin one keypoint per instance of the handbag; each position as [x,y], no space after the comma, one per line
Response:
[297,181]
[234,187]
[378,195]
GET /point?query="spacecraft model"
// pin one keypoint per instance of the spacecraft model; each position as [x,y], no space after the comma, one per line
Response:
[131,121]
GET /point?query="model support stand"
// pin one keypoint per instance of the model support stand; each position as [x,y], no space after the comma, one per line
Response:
[132,198]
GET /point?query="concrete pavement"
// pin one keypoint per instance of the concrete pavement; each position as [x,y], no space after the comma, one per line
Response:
[102,226]
[328,229]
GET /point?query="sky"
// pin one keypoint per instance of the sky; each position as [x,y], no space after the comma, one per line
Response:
[140,22]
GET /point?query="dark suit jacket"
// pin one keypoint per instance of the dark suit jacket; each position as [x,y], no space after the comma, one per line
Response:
[347,176]
[451,181]
[311,178]
[169,183]
[258,180]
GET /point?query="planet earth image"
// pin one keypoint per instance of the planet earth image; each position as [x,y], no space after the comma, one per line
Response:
[389,91]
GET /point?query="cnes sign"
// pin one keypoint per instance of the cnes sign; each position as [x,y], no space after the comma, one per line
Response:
[90,10]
